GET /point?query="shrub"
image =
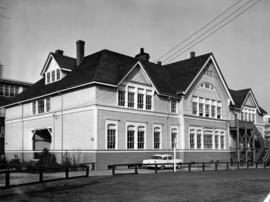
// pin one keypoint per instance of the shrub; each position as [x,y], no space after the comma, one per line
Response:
[47,159]
[66,159]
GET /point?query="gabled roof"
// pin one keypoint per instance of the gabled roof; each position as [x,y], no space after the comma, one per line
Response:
[184,72]
[64,62]
[240,96]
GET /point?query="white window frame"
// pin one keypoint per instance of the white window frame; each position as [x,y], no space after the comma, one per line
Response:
[136,125]
[176,106]
[160,136]
[135,88]
[107,123]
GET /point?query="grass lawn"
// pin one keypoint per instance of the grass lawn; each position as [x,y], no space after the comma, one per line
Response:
[244,185]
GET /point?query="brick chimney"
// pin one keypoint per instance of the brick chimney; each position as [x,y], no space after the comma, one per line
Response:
[80,52]
[59,52]
[142,56]
[192,54]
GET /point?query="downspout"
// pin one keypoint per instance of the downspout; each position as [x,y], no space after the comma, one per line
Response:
[22,133]
[62,127]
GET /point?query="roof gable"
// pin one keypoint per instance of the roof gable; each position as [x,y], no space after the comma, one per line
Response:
[137,75]
[249,101]
[56,60]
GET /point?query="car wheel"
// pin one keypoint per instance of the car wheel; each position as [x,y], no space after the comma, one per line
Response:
[162,167]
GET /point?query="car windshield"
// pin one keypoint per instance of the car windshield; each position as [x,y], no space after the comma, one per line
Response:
[156,157]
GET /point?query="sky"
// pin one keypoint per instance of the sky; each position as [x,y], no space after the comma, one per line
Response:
[33,28]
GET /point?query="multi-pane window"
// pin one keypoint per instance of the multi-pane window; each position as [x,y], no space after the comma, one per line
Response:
[48,104]
[216,141]
[48,77]
[16,90]
[207,108]
[140,137]
[222,144]
[58,74]
[194,107]
[140,98]
[53,76]
[201,109]
[131,97]
[148,99]
[12,93]
[34,107]
[173,137]
[191,139]
[218,110]
[41,106]
[156,138]
[173,106]
[111,136]
[199,139]
[207,140]
[121,98]
[6,90]
[130,137]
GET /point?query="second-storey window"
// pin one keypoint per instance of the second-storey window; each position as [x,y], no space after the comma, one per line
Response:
[48,77]
[58,74]
[194,105]
[53,76]
[41,106]
[48,104]
[173,106]
[140,99]
[131,97]
[34,107]
[121,98]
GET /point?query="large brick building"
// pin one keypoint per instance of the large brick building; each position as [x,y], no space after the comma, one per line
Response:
[111,108]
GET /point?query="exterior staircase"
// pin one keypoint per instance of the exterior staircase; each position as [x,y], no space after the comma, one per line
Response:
[263,152]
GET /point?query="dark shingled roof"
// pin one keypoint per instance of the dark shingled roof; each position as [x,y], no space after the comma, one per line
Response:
[110,68]
[183,72]
[239,97]
[64,61]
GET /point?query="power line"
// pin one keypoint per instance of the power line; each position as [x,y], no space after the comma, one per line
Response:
[211,33]
[199,30]
[208,30]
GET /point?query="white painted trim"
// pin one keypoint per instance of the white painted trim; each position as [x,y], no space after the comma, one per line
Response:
[187,116]
[219,74]
[174,127]
[156,125]
[111,122]
[253,98]
[46,64]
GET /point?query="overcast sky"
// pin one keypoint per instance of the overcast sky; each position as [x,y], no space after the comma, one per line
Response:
[36,27]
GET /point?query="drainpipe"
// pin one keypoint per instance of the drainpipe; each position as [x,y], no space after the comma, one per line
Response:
[62,127]
[237,137]
[22,133]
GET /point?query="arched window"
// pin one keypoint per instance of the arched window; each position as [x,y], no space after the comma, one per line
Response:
[157,138]
[111,136]
[130,137]
[141,137]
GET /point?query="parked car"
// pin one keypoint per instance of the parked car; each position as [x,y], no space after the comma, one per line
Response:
[162,161]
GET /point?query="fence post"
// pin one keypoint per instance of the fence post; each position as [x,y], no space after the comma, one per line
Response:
[113,170]
[87,171]
[7,178]
[136,168]
[189,167]
[238,164]
[66,171]
[256,164]
[202,166]
[156,168]
[264,164]
[247,165]
[227,165]
[93,166]
[40,175]
[216,166]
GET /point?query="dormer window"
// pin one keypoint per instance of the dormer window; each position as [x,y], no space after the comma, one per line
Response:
[53,76]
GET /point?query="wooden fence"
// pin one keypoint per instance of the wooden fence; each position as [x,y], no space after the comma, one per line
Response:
[40,171]
[191,166]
